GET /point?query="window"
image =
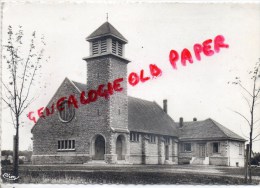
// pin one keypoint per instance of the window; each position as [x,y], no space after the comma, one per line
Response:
[216,147]
[68,112]
[95,47]
[66,145]
[152,139]
[134,137]
[167,140]
[240,149]
[187,147]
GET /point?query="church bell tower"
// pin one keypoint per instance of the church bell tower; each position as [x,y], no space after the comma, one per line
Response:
[107,63]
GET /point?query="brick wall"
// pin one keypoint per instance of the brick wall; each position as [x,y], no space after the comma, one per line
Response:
[90,120]
[114,111]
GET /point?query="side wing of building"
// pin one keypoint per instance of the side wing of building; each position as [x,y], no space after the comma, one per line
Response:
[153,134]
[208,142]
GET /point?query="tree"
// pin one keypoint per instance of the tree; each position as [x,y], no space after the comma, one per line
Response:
[23,63]
[256,159]
[6,153]
[251,98]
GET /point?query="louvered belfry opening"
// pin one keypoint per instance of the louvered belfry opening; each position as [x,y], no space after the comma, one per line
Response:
[120,49]
[106,40]
[95,49]
[103,46]
[113,46]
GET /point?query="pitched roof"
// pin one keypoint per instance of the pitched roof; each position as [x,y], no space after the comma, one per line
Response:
[106,29]
[207,129]
[149,117]
[80,86]
[146,116]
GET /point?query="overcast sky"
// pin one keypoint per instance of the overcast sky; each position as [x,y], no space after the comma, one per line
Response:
[197,90]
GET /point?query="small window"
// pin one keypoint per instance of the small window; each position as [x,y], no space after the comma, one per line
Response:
[62,144]
[240,149]
[152,139]
[216,147]
[68,112]
[59,144]
[66,144]
[119,112]
[134,137]
[187,147]
[73,144]
[69,144]
[167,140]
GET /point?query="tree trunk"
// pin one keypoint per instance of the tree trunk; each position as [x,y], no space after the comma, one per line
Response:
[246,163]
[16,151]
[250,156]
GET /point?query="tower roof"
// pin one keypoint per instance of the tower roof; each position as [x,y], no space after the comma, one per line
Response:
[106,29]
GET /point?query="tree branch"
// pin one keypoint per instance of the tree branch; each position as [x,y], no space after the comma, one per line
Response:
[9,91]
[242,132]
[34,71]
[256,121]
[8,104]
[26,106]
[24,72]
[245,89]
[243,117]
[256,140]
[247,101]
[256,136]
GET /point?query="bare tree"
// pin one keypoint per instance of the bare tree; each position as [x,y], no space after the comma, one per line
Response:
[251,98]
[23,61]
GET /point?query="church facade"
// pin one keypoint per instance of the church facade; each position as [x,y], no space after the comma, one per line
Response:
[123,129]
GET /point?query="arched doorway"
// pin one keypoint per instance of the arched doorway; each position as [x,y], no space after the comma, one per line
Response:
[99,151]
[120,147]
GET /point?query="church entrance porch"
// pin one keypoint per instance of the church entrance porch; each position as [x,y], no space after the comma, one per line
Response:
[98,151]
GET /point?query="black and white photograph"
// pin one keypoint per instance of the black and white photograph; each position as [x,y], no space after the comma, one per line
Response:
[119,92]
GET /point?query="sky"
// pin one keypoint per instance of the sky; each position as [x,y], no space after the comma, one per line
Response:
[198,90]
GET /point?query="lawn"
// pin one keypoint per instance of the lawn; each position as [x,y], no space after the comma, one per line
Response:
[131,174]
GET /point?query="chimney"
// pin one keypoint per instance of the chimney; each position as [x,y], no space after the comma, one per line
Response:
[181,122]
[194,119]
[165,105]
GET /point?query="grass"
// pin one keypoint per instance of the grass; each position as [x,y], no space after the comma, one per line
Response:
[98,177]
[134,174]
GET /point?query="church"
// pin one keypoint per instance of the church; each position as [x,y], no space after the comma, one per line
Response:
[123,129]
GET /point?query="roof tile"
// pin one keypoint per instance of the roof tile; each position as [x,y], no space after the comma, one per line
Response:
[106,29]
